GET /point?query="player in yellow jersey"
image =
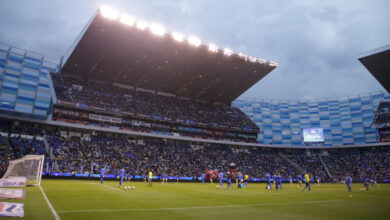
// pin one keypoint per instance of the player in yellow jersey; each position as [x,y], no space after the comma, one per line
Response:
[307,181]
[246,179]
[150,176]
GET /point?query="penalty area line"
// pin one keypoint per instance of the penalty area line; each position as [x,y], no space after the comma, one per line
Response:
[200,207]
[49,204]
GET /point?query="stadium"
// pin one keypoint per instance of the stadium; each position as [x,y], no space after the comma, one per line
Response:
[136,122]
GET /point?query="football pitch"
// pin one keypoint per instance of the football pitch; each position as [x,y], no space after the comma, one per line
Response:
[74,199]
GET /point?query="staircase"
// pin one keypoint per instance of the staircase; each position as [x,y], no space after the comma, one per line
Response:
[326,168]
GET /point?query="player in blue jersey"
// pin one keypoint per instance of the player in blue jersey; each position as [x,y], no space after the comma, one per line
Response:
[348,181]
[366,183]
[268,181]
[278,182]
[290,179]
[229,180]
[221,179]
[121,175]
[102,173]
[299,178]
[240,179]
[203,177]
[162,177]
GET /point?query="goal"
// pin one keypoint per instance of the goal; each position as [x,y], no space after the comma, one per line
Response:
[29,166]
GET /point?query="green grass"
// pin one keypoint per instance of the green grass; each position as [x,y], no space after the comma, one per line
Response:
[74,199]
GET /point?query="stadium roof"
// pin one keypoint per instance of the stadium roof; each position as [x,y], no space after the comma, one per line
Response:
[377,61]
[122,50]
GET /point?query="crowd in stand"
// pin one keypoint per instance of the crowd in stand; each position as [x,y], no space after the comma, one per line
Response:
[17,147]
[159,107]
[89,153]
[181,159]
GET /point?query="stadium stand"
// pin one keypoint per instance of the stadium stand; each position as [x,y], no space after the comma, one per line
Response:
[76,151]
[172,111]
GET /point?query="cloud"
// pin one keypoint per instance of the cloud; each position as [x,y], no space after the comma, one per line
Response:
[314,42]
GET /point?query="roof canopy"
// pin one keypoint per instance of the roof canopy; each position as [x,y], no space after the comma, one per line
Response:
[130,54]
[378,63]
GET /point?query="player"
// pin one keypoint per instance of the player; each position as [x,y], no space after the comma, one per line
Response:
[240,179]
[221,179]
[299,181]
[229,180]
[318,180]
[177,178]
[246,179]
[268,181]
[278,182]
[291,180]
[150,176]
[307,182]
[348,181]
[121,175]
[366,183]
[102,173]
[203,177]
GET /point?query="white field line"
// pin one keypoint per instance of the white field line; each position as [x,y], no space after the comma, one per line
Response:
[198,207]
[49,204]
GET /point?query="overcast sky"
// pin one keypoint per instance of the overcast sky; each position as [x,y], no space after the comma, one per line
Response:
[315,43]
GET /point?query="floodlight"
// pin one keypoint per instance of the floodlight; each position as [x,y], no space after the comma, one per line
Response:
[157,29]
[227,52]
[272,63]
[252,59]
[213,48]
[128,20]
[262,61]
[109,12]
[142,25]
[194,41]
[177,36]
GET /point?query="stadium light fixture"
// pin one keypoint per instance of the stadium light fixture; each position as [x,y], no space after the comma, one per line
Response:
[194,41]
[213,48]
[127,20]
[252,59]
[157,29]
[262,61]
[227,52]
[178,37]
[142,25]
[242,55]
[272,63]
[109,12]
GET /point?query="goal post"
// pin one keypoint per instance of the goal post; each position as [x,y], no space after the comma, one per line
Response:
[29,166]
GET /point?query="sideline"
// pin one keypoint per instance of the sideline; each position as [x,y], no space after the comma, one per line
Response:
[49,204]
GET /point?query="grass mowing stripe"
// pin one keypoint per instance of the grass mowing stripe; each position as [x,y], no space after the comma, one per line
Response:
[49,204]
[203,207]
[111,187]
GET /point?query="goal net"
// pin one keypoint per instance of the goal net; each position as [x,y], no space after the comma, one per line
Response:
[29,166]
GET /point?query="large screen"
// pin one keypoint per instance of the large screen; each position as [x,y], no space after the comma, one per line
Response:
[311,135]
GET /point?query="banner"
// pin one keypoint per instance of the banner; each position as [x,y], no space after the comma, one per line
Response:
[105,118]
[11,193]
[11,209]
[13,182]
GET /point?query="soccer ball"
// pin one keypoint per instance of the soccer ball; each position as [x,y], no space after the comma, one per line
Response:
[268,187]
[218,186]
[133,187]
[125,188]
